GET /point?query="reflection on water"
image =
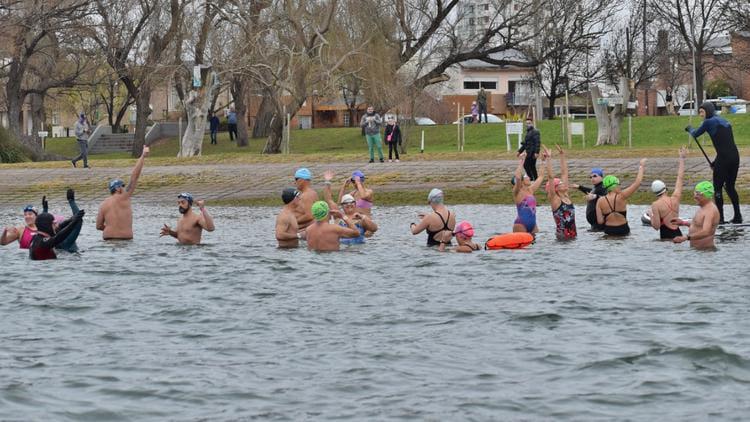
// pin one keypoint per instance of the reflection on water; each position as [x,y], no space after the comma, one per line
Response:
[236,329]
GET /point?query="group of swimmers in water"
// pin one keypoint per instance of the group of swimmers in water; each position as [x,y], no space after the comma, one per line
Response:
[328,223]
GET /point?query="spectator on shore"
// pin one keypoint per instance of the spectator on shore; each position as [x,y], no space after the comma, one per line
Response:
[82,130]
[392,138]
[482,104]
[371,123]
[232,124]
[213,124]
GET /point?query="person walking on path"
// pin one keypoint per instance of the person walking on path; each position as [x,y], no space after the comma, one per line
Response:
[727,162]
[213,124]
[232,124]
[371,123]
[392,138]
[82,131]
[531,144]
[482,104]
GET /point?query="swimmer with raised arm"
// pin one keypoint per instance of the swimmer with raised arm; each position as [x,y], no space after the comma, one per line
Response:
[523,194]
[363,222]
[563,211]
[667,207]
[69,243]
[612,209]
[363,195]
[22,234]
[115,218]
[191,225]
[47,238]
[703,225]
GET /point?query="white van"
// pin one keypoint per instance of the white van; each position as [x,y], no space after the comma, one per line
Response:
[687,108]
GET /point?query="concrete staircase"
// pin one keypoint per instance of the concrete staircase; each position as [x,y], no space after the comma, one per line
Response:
[117,142]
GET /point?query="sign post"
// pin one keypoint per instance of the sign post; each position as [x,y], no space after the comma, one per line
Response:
[513,128]
[577,129]
[43,134]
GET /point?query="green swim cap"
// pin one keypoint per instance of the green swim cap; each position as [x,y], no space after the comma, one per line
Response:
[610,182]
[706,188]
[320,210]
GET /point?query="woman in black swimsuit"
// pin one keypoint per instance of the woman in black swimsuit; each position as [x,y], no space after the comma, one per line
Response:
[611,209]
[439,225]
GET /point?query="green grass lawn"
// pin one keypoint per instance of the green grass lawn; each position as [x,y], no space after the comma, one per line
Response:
[651,136]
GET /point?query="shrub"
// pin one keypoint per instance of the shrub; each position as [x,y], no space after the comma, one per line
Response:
[718,88]
[11,151]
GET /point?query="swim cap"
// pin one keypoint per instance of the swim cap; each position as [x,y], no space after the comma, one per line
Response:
[303,174]
[610,182]
[359,174]
[464,228]
[555,182]
[288,195]
[597,171]
[320,210]
[186,196]
[658,187]
[347,199]
[44,223]
[435,196]
[114,184]
[513,179]
[706,188]
[31,208]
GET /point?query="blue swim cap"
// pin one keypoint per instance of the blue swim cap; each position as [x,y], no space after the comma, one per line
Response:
[303,174]
[359,174]
[30,208]
[114,184]
[597,171]
[186,196]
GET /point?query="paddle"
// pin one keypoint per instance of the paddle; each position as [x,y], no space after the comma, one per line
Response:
[688,130]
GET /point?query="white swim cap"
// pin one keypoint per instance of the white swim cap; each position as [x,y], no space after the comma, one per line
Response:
[346,199]
[435,196]
[658,187]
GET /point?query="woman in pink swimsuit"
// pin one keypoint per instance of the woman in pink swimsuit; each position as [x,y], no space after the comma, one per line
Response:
[23,234]
[361,194]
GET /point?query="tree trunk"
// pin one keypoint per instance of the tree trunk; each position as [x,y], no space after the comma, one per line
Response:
[196,107]
[266,111]
[609,122]
[602,117]
[698,78]
[239,93]
[275,136]
[15,103]
[142,111]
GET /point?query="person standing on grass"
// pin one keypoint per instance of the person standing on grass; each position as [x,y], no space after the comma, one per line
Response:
[232,124]
[213,124]
[82,131]
[392,138]
[371,123]
[531,144]
[482,104]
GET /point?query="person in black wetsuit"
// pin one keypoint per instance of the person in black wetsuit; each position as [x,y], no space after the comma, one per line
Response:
[69,243]
[531,144]
[44,241]
[439,225]
[593,195]
[727,161]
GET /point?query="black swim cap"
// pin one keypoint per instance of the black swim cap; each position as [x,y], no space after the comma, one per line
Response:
[288,195]
[708,106]
[44,223]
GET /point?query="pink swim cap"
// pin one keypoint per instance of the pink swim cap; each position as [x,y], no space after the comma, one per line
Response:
[59,219]
[464,228]
[555,182]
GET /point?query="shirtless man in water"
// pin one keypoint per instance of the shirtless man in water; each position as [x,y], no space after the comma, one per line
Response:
[324,236]
[308,196]
[703,226]
[115,216]
[286,222]
[191,225]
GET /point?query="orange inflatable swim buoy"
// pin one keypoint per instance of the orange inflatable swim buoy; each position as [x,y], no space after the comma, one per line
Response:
[515,240]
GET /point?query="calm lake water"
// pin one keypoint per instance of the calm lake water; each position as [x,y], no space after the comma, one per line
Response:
[595,329]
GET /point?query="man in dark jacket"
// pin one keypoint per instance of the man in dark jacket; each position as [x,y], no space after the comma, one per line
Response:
[530,144]
[213,123]
[727,161]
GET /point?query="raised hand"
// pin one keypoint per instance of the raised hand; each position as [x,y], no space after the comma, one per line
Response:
[165,231]
[200,203]
[45,204]
[560,150]
[71,195]
[643,162]
[328,175]
[146,151]
[683,152]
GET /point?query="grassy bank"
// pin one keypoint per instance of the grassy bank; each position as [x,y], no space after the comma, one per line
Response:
[651,136]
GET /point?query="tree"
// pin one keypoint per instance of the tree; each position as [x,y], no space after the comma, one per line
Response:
[135,37]
[698,22]
[37,60]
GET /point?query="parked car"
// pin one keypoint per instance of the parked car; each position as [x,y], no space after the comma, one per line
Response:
[424,121]
[687,108]
[491,118]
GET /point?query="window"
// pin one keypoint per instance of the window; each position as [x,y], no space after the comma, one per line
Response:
[478,84]
[471,22]
[486,19]
[471,85]
[489,85]
[55,118]
[347,123]
[486,6]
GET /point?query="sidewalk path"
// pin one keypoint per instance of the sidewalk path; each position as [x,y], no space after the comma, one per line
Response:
[160,184]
